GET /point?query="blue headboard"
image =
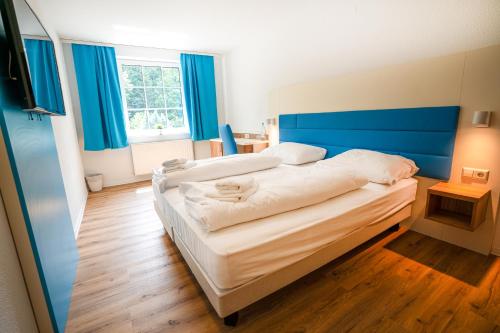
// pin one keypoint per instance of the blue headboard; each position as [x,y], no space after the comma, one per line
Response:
[425,135]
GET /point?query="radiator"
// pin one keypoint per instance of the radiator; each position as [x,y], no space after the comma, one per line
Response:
[150,155]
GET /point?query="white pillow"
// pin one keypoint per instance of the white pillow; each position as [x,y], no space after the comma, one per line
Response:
[377,167]
[295,153]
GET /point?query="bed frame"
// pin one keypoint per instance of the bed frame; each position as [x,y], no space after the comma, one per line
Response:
[228,302]
[425,135]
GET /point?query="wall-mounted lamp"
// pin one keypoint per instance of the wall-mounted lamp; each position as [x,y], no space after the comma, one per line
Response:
[270,130]
[271,121]
[481,119]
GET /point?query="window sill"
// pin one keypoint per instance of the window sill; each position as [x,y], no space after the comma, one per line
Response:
[158,138]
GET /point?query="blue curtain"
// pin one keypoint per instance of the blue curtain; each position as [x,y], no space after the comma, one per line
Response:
[100,97]
[44,76]
[199,90]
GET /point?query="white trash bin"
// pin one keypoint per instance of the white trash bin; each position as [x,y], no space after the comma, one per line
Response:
[94,182]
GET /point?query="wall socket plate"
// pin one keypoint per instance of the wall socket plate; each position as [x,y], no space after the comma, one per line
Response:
[476,174]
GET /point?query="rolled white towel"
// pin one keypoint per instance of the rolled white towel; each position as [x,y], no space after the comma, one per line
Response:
[174,162]
[160,179]
[234,185]
[161,175]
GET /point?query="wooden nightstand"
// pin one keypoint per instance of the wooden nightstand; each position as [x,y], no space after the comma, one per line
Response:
[457,205]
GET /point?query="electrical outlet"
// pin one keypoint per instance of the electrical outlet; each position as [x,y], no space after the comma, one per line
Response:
[481,174]
[476,174]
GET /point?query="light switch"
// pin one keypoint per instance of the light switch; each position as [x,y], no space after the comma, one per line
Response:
[467,172]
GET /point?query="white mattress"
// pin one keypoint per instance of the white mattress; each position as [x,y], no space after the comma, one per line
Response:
[233,256]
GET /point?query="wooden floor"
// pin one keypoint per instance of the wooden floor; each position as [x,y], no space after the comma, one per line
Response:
[131,278]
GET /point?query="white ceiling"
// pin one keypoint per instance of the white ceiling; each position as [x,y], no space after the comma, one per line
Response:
[325,28]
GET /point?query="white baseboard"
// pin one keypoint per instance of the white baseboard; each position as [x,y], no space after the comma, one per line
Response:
[124,181]
[79,218]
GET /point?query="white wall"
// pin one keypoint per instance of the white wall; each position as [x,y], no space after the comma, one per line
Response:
[65,134]
[288,42]
[116,165]
[469,79]
[496,240]
[16,314]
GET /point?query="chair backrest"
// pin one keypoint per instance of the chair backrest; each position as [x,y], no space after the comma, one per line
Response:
[228,142]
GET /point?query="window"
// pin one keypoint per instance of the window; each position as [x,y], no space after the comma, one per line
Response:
[153,98]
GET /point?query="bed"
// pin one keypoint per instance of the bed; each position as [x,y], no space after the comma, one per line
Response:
[239,265]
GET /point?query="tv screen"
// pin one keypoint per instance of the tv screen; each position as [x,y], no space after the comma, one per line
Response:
[32,59]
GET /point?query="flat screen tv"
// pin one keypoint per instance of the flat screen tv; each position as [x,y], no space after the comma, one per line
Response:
[31,58]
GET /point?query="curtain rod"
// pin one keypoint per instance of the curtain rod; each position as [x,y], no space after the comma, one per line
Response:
[36,37]
[77,41]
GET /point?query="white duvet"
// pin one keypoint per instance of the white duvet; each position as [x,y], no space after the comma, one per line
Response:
[216,168]
[295,188]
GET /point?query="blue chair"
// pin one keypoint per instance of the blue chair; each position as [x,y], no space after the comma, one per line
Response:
[228,142]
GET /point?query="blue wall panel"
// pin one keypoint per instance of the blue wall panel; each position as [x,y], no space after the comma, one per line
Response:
[35,165]
[425,135]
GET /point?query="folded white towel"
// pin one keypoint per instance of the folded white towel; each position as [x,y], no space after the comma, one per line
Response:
[174,162]
[179,167]
[235,185]
[199,192]
[232,197]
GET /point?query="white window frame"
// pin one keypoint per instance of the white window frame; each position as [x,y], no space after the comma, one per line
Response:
[151,135]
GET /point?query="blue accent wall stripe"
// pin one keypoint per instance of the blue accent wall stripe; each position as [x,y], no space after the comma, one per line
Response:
[35,166]
[426,135]
[34,163]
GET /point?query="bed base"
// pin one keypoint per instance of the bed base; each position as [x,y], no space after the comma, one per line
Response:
[232,319]
[394,228]
[227,302]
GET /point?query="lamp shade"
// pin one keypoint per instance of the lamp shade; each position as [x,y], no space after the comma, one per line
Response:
[271,121]
[481,119]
